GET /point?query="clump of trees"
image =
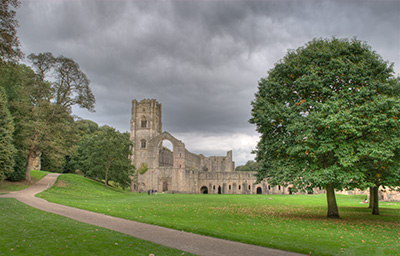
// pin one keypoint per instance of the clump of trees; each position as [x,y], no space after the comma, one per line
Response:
[104,155]
[36,120]
[329,116]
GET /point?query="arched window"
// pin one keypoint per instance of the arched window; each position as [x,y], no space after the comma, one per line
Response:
[143,143]
[143,122]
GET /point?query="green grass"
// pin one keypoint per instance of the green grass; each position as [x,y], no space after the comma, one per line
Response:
[9,186]
[27,231]
[289,222]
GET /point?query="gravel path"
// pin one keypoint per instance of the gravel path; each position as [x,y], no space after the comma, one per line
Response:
[189,242]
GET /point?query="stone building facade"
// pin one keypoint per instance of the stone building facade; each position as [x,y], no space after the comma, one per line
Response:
[178,170]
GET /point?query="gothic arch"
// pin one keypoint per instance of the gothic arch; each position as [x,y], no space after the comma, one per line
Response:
[155,145]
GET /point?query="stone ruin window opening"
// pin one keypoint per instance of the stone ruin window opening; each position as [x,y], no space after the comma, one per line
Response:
[240,187]
[166,154]
[230,187]
[143,143]
[143,122]
[259,191]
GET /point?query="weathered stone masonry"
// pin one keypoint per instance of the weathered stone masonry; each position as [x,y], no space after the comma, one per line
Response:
[181,171]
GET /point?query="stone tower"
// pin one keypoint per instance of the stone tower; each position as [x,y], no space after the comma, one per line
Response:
[145,125]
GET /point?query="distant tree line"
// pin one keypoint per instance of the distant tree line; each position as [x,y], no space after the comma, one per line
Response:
[250,166]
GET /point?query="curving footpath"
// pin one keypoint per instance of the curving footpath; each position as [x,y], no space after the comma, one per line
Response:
[189,242]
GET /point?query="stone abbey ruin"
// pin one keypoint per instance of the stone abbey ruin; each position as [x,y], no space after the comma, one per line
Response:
[178,170]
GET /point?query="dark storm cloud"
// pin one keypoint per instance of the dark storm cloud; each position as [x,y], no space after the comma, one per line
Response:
[200,59]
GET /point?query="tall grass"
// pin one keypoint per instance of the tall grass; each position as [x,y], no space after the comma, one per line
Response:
[289,222]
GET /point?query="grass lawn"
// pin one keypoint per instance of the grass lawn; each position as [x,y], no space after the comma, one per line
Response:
[8,186]
[289,222]
[25,230]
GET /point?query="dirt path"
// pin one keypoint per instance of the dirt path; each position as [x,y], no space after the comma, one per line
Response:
[189,242]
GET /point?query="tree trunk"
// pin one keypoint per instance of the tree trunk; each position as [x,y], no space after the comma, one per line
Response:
[31,157]
[375,204]
[371,197]
[333,211]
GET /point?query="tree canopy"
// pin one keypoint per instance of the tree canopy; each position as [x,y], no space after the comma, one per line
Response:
[7,150]
[9,46]
[104,155]
[329,116]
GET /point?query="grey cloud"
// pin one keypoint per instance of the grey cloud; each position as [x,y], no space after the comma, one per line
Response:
[200,59]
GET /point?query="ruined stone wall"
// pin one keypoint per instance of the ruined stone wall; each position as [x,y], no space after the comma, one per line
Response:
[192,161]
[218,163]
[166,158]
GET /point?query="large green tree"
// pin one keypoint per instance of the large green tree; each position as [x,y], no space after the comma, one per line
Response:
[18,83]
[7,150]
[51,119]
[328,114]
[9,43]
[42,109]
[104,155]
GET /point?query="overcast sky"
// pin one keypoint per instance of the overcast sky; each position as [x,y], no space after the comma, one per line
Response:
[200,59]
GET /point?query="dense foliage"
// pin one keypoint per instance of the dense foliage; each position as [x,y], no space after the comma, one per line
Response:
[105,155]
[7,150]
[9,46]
[329,116]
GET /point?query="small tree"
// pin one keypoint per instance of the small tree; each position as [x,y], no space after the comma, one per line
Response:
[7,150]
[325,114]
[105,155]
